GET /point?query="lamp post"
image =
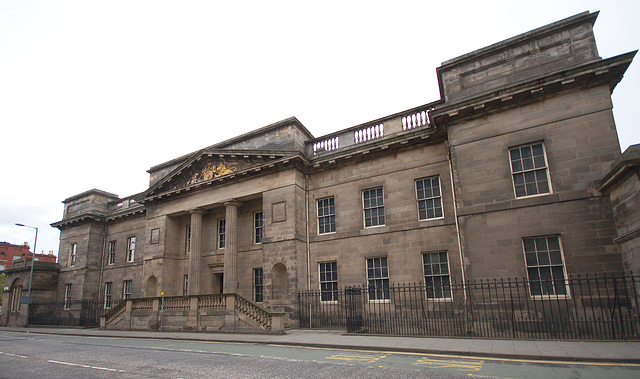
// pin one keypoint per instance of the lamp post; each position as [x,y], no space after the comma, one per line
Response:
[33,259]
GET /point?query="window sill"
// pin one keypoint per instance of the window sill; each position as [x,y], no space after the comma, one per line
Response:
[532,196]
[431,219]
[550,297]
[438,299]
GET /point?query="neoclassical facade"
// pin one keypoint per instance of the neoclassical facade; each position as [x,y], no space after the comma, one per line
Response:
[498,178]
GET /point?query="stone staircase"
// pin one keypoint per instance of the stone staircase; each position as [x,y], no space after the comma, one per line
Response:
[202,313]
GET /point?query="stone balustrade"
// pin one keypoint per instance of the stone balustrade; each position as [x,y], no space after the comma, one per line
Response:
[212,302]
[367,133]
[124,204]
[259,315]
[223,312]
[142,305]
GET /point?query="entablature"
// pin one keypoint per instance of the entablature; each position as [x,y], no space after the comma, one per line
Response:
[84,218]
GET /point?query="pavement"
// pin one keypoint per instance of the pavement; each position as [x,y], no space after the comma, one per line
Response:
[548,350]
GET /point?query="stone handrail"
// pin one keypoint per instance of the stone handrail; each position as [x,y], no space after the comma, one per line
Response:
[253,311]
[366,133]
[115,312]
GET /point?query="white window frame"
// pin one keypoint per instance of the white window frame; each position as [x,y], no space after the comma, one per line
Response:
[326,279]
[381,279]
[111,259]
[131,248]
[538,252]
[185,285]
[436,272]
[187,237]
[326,212]
[73,250]
[258,227]
[108,299]
[127,289]
[377,207]
[67,296]
[535,169]
[222,233]
[258,285]
[422,195]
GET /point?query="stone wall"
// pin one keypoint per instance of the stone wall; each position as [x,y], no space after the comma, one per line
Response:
[622,185]
[578,133]
[566,43]
[403,238]
[43,289]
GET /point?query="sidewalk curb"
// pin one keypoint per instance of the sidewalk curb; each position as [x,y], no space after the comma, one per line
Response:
[210,337]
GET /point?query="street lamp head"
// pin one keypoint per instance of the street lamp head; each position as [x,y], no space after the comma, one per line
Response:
[26,226]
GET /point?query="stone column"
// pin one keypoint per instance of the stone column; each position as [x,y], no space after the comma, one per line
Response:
[195,252]
[231,247]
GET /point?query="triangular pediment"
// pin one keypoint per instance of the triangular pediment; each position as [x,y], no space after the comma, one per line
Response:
[209,166]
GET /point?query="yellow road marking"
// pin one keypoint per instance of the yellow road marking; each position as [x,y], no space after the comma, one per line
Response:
[357,357]
[389,352]
[462,365]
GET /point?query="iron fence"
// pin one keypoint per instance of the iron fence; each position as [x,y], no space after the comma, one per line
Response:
[600,307]
[69,313]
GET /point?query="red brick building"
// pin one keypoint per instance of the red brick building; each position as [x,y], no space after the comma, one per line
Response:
[10,252]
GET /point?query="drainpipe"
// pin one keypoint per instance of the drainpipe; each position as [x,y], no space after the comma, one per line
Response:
[306,206]
[455,214]
[104,249]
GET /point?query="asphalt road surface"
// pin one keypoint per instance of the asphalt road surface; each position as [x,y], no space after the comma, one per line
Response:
[32,355]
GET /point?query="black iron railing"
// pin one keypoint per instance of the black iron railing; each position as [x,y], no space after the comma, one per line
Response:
[587,307]
[69,313]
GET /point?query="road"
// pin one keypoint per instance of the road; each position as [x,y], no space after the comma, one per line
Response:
[33,355]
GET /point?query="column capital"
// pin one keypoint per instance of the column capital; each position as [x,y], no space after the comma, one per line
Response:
[197,210]
[232,202]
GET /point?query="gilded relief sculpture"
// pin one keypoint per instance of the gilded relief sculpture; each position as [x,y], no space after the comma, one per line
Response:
[210,171]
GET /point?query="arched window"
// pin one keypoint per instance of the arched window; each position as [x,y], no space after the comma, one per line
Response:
[16,292]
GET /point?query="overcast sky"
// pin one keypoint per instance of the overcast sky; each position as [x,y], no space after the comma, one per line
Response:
[94,93]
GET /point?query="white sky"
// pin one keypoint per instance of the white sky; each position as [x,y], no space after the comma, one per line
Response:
[94,93]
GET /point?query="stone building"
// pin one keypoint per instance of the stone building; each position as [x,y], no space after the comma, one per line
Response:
[10,253]
[498,178]
[16,288]
[622,184]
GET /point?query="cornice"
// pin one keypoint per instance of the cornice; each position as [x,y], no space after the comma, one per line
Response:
[383,145]
[609,71]
[627,163]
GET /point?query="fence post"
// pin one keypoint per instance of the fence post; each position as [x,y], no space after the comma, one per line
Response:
[617,302]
